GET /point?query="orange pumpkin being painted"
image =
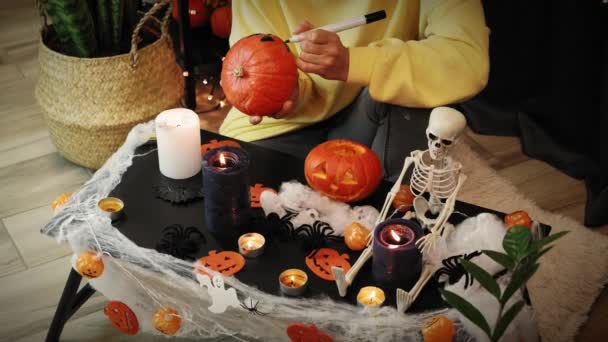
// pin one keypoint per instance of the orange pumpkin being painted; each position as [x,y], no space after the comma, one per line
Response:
[343,170]
[259,74]
[221,22]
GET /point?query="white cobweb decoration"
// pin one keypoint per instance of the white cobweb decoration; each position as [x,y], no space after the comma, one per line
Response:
[147,280]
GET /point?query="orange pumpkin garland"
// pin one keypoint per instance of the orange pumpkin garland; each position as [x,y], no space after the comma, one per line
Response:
[321,262]
[167,321]
[438,329]
[343,170]
[518,218]
[221,22]
[226,262]
[259,74]
[89,265]
[122,317]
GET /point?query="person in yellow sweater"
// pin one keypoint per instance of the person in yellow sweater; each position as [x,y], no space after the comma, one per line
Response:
[365,83]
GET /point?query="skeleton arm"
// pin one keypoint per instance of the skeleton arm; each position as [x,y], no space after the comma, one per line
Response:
[427,241]
[394,190]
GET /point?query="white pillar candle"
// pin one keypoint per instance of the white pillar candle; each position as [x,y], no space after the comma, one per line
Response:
[179,143]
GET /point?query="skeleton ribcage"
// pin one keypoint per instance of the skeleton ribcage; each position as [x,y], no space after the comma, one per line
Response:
[439,182]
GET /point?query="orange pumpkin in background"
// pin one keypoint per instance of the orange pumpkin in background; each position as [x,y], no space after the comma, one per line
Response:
[122,317]
[199,14]
[321,262]
[438,329]
[343,170]
[518,218]
[221,22]
[259,74]
[227,263]
[89,265]
[167,321]
[404,199]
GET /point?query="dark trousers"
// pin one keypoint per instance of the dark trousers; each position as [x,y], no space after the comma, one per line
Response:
[391,131]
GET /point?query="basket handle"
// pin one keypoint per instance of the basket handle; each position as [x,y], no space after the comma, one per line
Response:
[164,27]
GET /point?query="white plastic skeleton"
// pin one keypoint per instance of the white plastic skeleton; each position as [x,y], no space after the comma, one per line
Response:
[436,173]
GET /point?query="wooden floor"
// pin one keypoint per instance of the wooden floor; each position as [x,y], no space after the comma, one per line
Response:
[33,268]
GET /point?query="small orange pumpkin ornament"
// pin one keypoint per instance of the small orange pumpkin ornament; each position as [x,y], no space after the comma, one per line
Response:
[167,321]
[306,333]
[226,262]
[343,170]
[213,144]
[518,218]
[404,199]
[259,74]
[199,14]
[256,192]
[221,22]
[60,200]
[356,236]
[122,317]
[321,262]
[438,329]
[90,265]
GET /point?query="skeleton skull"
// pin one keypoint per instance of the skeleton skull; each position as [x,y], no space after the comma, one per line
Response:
[445,125]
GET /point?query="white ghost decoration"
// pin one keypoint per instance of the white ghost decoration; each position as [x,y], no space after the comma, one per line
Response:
[222,298]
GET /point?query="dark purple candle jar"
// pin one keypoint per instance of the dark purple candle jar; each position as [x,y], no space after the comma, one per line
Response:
[226,191]
[396,261]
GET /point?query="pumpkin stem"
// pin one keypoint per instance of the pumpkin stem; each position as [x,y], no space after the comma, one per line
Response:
[238,72]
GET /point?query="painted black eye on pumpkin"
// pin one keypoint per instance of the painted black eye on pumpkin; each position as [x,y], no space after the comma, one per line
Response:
[267,39]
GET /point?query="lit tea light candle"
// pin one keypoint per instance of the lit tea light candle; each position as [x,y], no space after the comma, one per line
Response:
[226,190]
[111,207]
[397,261]
[251,245]
[293,282]
[179,143]
[370,296]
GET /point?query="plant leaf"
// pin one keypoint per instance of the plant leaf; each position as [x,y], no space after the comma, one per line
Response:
[467,310]
[519,278]
[501,258]
[537,245]
[534,257]
[516,242]
[506,319]
[484,278]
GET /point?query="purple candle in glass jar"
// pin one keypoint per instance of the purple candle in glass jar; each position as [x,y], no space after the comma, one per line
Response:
[397,262]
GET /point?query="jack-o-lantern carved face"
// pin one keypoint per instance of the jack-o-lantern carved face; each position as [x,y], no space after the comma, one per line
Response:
[167,321]
[321,262]
[518,218]
[213,144]
[343,170]
[227,263]
[89,265]
[256,192]
[122,317]
[306,333]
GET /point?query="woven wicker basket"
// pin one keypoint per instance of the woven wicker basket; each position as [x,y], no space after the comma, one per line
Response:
[90,104]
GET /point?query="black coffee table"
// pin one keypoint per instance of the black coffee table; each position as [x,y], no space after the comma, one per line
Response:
[146,216]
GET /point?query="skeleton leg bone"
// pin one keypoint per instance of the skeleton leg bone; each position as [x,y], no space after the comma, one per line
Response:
[343,280]
[406,299]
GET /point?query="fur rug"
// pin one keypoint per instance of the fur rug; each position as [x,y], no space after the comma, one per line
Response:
[571,275]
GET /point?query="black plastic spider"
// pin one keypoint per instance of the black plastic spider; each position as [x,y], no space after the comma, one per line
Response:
[315,236]
[275,226]
[454,270]
[181,242]
[253,307]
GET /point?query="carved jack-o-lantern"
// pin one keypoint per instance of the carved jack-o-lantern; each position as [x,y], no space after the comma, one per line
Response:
[518,218]
[89,264]
[122,317]
[343,170]
[213,144]
[356,236]
[306,333]
[321,262]
[438,329]
[227,263]
[167,321]
[256,192]
[404,199]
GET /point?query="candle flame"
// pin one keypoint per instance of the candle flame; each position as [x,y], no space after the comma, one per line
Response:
[222,160]
[292,280]
[250,244]
[395,236]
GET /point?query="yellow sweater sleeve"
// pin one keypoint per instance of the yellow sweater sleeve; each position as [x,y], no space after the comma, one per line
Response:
[448,64]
